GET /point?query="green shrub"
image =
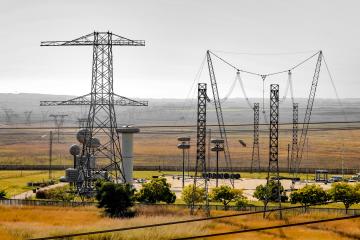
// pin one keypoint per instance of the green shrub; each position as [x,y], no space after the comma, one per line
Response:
[226,194]
[116,199]
[2,194]
[157,190]
[308,195]
[188,194]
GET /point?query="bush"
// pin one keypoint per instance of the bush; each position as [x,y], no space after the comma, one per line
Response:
[157,190]
[310,194]
[345,193]
[56,194]
[225,195]
[241,203]
[116,199]
[2,194]
[188,194]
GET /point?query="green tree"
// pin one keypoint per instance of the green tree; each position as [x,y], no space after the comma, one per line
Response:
[269,193]
[345,193]
[310,194]
[116,199]
[157,190]
[225,195]
[2,194]
[188,194]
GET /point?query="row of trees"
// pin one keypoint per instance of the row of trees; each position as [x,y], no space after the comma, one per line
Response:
[339,192]
[117,199]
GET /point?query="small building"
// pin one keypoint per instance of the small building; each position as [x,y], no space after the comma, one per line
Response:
[321,175]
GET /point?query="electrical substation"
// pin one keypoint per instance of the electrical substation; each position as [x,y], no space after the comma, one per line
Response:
[105,151]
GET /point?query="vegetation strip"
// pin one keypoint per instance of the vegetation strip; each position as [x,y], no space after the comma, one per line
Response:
[270,228]
[169,223]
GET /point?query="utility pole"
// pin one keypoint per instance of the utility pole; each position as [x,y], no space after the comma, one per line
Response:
[50,154]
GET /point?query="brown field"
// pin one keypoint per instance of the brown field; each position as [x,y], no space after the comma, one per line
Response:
[26,222]
[326,149]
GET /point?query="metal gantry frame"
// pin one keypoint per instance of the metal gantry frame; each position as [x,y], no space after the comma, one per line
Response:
[201,177]
[294,143]
[101,119]
[255,158]
[273,169]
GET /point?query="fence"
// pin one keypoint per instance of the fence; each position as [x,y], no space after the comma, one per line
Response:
[21,202]
[176,168]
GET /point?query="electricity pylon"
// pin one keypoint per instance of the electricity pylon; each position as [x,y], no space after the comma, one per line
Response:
[101,119]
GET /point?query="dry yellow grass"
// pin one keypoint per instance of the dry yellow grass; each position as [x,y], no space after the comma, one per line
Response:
[325,148]
[24,222]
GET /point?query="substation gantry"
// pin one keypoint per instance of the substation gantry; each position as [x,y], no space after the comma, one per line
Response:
[99,138]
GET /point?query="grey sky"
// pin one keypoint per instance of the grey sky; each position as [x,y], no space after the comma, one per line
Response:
[177,34]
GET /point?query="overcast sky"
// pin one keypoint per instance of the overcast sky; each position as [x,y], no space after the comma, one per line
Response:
[177,35]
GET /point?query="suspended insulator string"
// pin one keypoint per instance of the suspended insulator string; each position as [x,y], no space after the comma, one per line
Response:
[229,92]
[263,98]
[283,99]
[243,90]
[291,87]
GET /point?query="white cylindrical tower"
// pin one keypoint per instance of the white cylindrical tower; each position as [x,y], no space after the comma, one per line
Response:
[127,133]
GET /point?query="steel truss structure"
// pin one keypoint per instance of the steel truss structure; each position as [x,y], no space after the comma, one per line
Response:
[200,166]
[273,169]
[219,114]
[101,120]
[255,158]
[309,107]
[294,143]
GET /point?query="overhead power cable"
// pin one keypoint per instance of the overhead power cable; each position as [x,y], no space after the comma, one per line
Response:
[270,228]
[267,74]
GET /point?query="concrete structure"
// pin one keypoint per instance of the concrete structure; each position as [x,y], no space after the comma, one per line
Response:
[127,133]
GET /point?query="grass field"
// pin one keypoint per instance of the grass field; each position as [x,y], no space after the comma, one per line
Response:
[325,149]
[15,182]
[25,222]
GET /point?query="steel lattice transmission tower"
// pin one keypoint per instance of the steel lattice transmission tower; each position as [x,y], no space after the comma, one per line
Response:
[101,120]
[201,177]
[294,144]
[273,170]
[255,158]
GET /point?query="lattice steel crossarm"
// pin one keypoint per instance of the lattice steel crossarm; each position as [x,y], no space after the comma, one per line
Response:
[86,100]
[89,40]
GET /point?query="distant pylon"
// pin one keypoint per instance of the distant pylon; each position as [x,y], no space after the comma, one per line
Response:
[294,144]
[82,122]
[59,122]
[255,159]
[27,117]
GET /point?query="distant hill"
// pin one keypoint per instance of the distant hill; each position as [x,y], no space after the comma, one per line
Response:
[171,111]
